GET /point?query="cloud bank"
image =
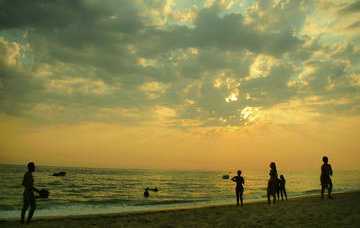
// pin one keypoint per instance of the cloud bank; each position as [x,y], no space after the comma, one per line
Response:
[212,64]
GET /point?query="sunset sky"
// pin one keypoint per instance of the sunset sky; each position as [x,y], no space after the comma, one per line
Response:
[180,84]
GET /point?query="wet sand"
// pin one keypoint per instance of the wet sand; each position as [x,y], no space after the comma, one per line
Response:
[308,211]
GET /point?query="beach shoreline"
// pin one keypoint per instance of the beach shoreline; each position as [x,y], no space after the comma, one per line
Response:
[300,211]
[158,209]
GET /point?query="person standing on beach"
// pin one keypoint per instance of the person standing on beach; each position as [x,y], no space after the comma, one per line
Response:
[239,190]
[282,187]
[325,179]
[29,198]
[273,183]
[278,189]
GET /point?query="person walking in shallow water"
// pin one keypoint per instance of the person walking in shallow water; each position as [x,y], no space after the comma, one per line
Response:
[325,179]
[239,190]
[29,198]
[273,183]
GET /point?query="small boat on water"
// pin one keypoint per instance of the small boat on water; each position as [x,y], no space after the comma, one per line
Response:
[226,176]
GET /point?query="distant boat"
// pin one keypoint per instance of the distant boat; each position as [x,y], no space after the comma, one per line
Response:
[226,176]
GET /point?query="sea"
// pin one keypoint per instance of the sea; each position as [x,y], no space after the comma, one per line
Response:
[85,191]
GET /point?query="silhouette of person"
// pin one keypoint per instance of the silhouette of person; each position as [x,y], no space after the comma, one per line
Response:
[239,190]
[325,179]
[29,198]
[272,183]
[277,190]
[282,187]
[146,193]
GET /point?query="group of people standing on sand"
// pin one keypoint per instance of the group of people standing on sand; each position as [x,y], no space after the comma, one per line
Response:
[276,186]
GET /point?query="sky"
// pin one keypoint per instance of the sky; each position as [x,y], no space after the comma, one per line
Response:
[180,84]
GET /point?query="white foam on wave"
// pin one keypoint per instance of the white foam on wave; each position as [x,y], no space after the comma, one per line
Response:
[74,210]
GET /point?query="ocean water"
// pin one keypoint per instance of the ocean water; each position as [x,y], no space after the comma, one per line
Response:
[95,190]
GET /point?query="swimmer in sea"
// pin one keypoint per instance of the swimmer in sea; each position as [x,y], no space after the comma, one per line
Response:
[325,179]
[239,190]
[146,193]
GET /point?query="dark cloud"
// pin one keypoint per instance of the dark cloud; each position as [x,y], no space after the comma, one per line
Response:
[18,91]
[50,15]
[281,16]
[329,79]
[272,89]
[212,60]
[346,50]
[38,13]
[355,25]
[101,44]
[307,50]
[350,8]
[212,30]
[229,32]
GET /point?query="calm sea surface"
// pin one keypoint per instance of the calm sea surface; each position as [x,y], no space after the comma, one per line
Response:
[94,190]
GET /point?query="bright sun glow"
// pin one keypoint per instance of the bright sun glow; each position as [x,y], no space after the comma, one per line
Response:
[249,113]
[232,97]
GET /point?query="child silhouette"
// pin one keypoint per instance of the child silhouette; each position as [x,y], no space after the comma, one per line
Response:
[282,187]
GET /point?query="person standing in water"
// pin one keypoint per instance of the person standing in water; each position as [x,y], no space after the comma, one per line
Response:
[273,183]
[325,179]
[239,190]
[29,198]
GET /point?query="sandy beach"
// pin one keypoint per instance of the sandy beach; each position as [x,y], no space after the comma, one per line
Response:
[309,211]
